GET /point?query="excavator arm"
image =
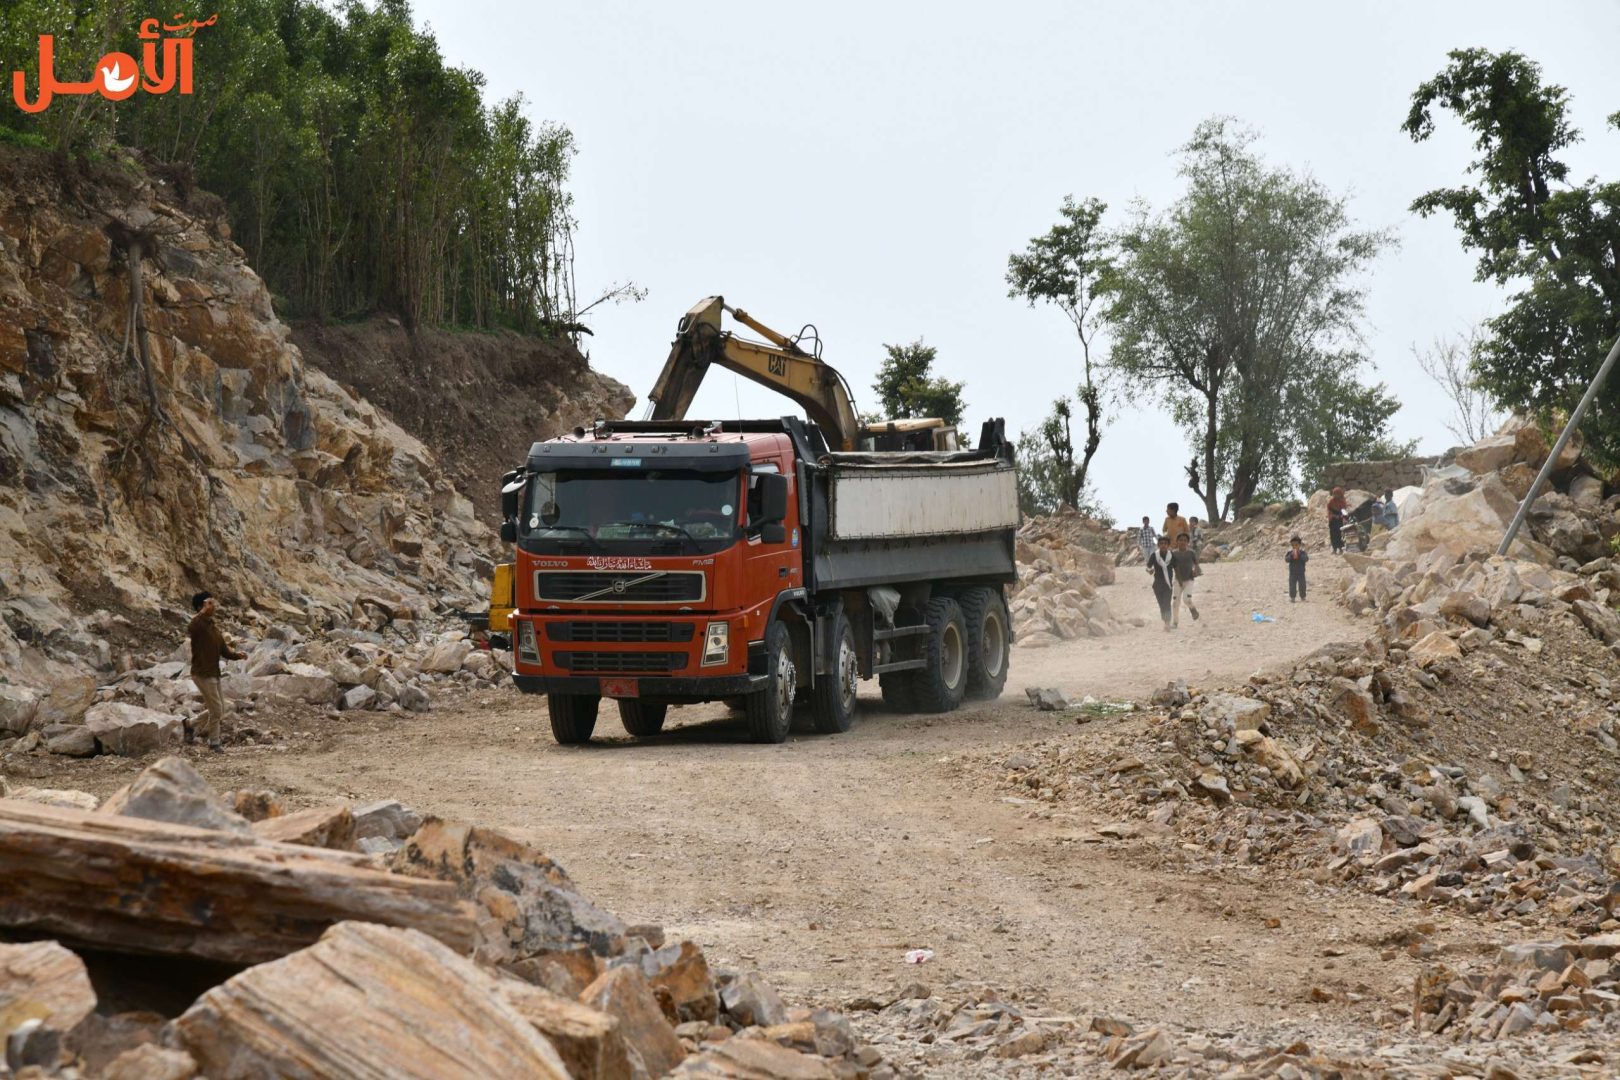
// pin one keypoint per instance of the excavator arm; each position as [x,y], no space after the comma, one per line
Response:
[777,362]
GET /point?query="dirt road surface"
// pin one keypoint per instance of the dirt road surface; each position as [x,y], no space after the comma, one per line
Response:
[824,860]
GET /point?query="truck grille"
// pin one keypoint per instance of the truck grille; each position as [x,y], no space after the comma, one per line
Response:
[620,586]
[632,632]
[617,663]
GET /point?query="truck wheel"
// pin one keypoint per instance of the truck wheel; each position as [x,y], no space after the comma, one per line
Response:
[989,641]
[832,704]
[770,711]
[640,718]
[573,717]
[940,686]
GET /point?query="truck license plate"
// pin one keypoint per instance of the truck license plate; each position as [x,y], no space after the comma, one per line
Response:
[621,688]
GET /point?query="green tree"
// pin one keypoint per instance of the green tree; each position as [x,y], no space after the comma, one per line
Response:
[1064,268]
[361,172]
[1046,469]
[1239,308]
[907,387]
[1558,241]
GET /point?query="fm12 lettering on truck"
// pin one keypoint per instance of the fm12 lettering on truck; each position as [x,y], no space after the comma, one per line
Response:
[766,563]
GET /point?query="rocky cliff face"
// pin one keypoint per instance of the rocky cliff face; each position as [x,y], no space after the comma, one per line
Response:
[189,445]
[478,400]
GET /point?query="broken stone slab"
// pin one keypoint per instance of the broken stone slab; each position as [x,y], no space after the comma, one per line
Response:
[133,885]
[43,981]
[625,994]
[367,1002]
[1467,606]
[63,797]
[1362,836]
[387,818]
[358,697]
[590,1042]
[300,682]
[1241,713]
[1046,699]
[78,742]
[1172,694]
[1601,621]
[526,903]
[756,1059]
[1434,648]
[130,730]
[171,790]
[18,707]
[150,1062]
[679,974]
[66,701]
[446,657]
[415,699]
[321,826]
[751,1001]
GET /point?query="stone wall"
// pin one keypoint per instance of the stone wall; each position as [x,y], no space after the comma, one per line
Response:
[1378,476]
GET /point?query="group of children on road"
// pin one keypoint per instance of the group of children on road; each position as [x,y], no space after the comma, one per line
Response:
[1171,555]
[1172,561]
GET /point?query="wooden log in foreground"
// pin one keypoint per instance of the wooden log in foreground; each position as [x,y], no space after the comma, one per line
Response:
[132,885]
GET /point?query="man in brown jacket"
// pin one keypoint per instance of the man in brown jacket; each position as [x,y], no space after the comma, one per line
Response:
[208,645]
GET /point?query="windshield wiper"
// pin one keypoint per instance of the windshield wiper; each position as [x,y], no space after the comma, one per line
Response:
[653,525]
[582,530]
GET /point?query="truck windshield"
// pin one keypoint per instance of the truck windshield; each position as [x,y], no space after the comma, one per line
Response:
[641,512]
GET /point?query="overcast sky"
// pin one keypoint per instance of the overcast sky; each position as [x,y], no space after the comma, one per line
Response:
[869,167]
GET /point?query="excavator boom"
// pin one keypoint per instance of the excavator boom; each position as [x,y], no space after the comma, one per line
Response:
[778,362]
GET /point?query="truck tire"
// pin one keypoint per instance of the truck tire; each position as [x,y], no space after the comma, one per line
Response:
[941,685]
[989,639]
[573,717]
[832,702]
[640,718]
[769,712]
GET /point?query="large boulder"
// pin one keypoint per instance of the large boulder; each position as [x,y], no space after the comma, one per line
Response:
[131,731]
[1474,520]
[364,1001]
[1490,454]
[301,682]
[446,656]
[171,790]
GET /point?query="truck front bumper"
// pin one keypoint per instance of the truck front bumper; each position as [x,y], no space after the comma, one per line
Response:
[652,688]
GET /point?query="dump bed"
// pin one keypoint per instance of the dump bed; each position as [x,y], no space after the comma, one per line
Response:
[893,518]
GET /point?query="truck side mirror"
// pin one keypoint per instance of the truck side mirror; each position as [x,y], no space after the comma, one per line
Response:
[508,531]
[773,498]
[512,497]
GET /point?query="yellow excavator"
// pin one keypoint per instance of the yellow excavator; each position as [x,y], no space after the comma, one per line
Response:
[783,364]
[779,362]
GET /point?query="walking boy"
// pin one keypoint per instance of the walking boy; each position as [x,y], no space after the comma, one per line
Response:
[1186,568]
[1197,536]
[1161,565]
[1297,557]
[1175,524]
[207,646]
[1145,539]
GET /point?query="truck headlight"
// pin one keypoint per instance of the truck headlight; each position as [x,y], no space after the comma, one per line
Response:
[528,648]
[717,643]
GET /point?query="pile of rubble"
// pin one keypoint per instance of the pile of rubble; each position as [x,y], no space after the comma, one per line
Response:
[1062,561]
[403,668]
[1532,986]
[365,941]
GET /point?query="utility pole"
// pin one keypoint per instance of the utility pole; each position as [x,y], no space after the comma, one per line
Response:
[1558,448]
